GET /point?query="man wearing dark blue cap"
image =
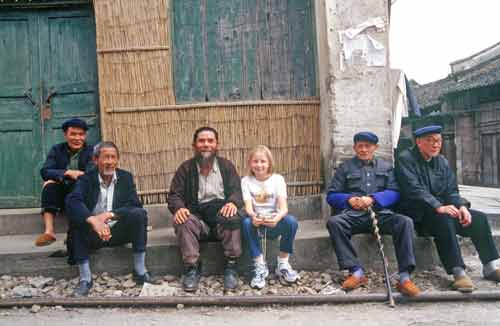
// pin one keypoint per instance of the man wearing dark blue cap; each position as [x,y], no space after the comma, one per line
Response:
[360,183]
[430,196]
[65,163]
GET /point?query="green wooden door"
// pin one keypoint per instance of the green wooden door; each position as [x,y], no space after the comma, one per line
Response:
[48,65]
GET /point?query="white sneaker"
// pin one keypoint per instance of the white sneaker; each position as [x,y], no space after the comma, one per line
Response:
[261,272]
[285,272]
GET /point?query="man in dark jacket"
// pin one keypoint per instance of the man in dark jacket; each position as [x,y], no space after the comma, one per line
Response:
[104,210]
[65,163]
[430,196]
[361,183]
[204,197]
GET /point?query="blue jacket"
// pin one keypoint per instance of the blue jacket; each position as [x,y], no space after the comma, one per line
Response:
[354,178]
[82,200]
[58,159]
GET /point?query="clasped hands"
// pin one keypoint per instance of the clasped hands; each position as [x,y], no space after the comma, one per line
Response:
[361,203]
[227,211]
[462,214]
[268,221]
[100,226]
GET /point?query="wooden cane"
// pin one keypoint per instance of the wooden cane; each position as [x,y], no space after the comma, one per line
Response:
[376,233]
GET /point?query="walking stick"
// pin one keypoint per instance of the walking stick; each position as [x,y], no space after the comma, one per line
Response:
[376,233]
[262,231]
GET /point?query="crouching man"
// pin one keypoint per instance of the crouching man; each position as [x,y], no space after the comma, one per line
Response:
[104,210]
[65,163]
[360,183]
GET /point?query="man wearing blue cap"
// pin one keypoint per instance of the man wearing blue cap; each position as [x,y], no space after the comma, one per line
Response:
[360,183]
[430,196]
[65,163]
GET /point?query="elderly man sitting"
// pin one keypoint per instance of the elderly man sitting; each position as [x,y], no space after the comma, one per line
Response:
[104,210]
[360,183]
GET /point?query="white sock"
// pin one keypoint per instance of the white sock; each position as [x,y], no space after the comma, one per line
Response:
[282,260]
[84,269]
[259,260]
[458,272]
[489,268]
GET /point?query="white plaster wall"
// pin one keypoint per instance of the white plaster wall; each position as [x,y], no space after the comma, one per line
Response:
[358,97]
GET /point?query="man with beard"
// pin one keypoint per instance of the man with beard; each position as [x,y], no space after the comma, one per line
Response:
[65,163]
[104,211]
[204,197]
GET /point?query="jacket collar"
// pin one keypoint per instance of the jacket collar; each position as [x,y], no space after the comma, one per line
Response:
[360,163]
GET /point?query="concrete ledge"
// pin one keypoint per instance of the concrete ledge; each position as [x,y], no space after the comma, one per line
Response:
[29,221]
[313,251]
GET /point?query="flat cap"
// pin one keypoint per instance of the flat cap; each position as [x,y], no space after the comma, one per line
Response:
[366,136]
[432,129]
[76,123]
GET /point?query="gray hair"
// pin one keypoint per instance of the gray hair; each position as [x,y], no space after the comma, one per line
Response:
[104,144]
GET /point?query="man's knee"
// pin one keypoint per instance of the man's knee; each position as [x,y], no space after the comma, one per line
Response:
[192,225]
[403,222]
[139,215]
[335,222]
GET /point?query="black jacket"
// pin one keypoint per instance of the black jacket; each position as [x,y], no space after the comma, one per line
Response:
[426,185]
[82,200]
[58,159]
[184,187]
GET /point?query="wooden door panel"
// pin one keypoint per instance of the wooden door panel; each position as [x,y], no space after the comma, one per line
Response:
[488,163]
[70,72]
[19,129]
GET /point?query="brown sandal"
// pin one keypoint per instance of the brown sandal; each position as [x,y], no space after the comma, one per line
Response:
[44,240]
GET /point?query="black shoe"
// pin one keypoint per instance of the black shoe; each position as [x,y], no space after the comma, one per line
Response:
[83,289]
[191,278]
[146,278]
[230,276]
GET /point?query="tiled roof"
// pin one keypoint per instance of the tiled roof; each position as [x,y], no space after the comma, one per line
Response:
[485,74]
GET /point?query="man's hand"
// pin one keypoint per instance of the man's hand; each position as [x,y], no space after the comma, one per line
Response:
[73,174]
[46,183]
[367,202]
[100,227]
[181,216]
[448,210]
[465,217]
[228,210]
[105,217]
[356,203]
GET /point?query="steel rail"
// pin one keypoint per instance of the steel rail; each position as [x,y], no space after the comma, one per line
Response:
[173,301]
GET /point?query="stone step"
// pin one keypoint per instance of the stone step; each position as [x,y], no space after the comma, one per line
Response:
[313,251]
[29,221]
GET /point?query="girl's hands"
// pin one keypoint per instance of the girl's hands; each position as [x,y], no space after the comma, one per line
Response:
[273,221]
[256,221]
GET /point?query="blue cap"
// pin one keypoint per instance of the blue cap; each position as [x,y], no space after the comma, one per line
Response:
[75,122]
[366,136]
[432,129]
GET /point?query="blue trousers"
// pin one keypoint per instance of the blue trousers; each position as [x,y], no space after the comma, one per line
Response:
[286,228]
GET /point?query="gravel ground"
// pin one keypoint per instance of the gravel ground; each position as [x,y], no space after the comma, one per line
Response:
[311,282]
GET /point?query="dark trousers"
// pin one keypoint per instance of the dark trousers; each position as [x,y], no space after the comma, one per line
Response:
[342,226]
[131,227]
[444,229]
[205,223]
[53,196]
